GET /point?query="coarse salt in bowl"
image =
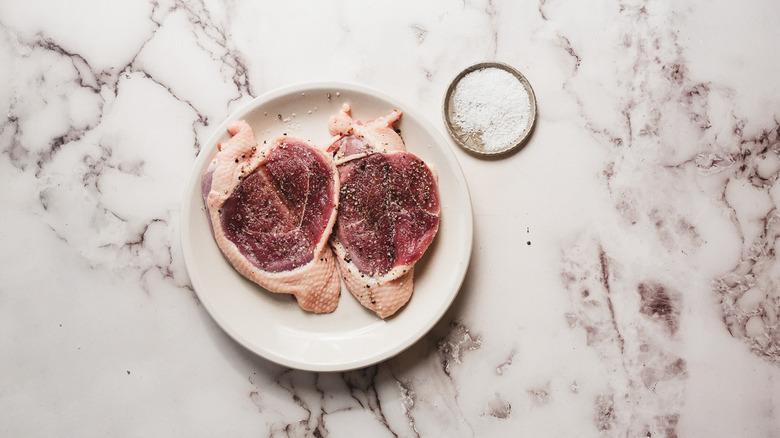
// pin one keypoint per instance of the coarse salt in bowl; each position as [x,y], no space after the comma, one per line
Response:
[489,108]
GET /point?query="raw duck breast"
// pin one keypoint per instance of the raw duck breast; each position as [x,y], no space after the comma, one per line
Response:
[388,210]
[272,208]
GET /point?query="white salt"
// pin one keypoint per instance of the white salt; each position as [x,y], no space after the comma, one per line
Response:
[493,104]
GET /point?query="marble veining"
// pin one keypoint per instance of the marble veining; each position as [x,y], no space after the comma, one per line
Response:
[634,332]
[624,278]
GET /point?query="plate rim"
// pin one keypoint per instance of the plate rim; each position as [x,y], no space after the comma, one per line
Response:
[265,353]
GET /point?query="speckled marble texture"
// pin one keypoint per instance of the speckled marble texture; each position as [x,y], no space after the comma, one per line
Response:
[624,277]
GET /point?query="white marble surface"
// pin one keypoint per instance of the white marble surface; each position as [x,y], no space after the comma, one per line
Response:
[646,303]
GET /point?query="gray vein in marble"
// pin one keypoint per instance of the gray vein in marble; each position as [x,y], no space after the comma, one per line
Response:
[420,32]
[455,344]
[200,118]
[106,85]
[540,395]
[570,50]
[87,77]
[749,293]
[22,157]
[492,13]
[407,398]
[660,305]
[541,8]
[604,412]
[507,363]
[231,57]
[753,161]
[316,393]
[364,381]
[647,378]
[604,266]
[659,74]
[499,408]
[308,424]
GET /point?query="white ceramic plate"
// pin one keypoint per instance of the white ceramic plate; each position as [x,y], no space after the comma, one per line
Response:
[272,325]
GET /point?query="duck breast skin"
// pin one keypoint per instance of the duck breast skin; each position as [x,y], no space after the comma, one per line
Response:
[388,210]
[272,208]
